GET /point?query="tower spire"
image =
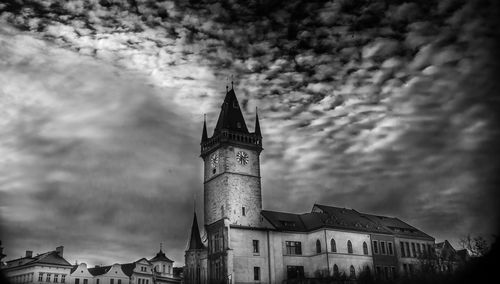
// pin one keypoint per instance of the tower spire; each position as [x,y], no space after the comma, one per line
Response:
[195,240]
[257,124]
[204,135]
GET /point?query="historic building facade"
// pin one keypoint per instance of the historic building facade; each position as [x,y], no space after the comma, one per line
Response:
[157,270]
[246,244]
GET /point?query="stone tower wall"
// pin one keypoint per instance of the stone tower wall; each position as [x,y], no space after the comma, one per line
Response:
[233,187]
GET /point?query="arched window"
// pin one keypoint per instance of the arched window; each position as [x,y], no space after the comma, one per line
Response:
[349,246]
[333,245]
[368,270]
[352,272]
[365,248]
[318,246]
[335,270]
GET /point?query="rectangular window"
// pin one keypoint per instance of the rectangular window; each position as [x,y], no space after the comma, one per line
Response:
[382,247]
[375,247]
[405,268]
[393,271]
[389,247]
[386,272]
[97,281]
[243,211]
[378,270]
[256,273]
[56,278]
[293,247]
[407,247]
[85,281]
[402,246]
[77,281]
[295,272]
[413,250]
[119,281]
[255,246]
[147,281]
[419,250]
[63,279]
[40,276]
[111,281]
[47,279]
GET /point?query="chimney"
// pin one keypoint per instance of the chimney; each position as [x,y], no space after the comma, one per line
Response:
[60,250]
[29,253]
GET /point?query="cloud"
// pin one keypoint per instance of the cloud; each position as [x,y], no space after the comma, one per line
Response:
[383,108]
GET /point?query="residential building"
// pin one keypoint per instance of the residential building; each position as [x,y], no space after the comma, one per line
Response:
[48,267]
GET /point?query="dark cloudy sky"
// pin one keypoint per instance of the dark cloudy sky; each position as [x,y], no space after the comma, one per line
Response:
[388,107]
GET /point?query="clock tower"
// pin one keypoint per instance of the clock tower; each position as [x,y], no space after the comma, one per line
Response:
[232,186]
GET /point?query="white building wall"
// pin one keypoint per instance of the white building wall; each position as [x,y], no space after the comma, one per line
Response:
[314,263]
[23,275]
[81,273]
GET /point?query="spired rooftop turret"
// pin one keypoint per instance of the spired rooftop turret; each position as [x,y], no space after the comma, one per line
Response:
[231,128]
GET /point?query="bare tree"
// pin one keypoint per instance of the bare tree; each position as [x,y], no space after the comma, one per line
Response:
[476,246]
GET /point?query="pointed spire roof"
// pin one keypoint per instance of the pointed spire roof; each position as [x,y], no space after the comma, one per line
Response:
[195,240]
[204,135]
[257,125]
[230,116]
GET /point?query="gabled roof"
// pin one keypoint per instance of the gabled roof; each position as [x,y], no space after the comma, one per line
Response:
[51,257]
[195,240]
[231,117]
[160,256]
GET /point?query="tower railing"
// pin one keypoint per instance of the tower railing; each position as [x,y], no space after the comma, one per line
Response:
[224,135]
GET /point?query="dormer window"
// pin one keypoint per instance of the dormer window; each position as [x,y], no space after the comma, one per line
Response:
[235,104]
[238,124]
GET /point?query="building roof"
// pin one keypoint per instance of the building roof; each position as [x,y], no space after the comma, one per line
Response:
[397,226]
[99,270]
[323,216]
[195,239]
[51,257]
[128,268]
[160,256]
[350,219]
[342,218]
[231,117]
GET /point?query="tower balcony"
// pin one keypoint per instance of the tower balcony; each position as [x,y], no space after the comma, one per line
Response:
[226,136]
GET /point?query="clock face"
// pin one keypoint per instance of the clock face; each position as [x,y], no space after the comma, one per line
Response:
[242,157]
[214,160]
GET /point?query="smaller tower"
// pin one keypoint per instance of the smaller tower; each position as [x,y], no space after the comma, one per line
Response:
[195,257]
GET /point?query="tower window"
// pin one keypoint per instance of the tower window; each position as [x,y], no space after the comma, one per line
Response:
[243,211]
[255,246]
